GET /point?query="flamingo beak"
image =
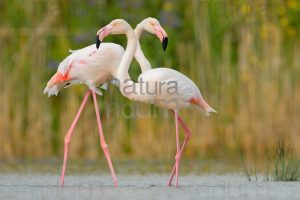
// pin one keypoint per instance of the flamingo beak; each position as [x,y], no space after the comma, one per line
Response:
[98,42]
[102,33]
[165,43]
[162,35]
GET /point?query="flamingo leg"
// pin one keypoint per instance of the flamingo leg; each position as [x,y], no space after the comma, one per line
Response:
[186,139]
[69,135]
[177,156]
[102,141]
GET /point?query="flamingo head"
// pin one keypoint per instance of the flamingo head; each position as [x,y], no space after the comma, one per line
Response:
[153,26]
[117,26]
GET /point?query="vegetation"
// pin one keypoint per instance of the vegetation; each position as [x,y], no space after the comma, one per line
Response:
[243,55]
[285,164]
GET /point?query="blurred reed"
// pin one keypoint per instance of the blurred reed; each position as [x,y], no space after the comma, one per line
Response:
[243,55]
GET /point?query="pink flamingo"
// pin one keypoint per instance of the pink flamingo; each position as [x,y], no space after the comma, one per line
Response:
[94,66]
[187,93]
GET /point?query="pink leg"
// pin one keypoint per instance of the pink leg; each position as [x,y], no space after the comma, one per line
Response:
[102,141]
[186,139]
[69,135]
[177,156]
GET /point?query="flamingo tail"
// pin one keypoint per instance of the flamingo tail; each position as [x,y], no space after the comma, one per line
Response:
[208,109]
[202,104]
[55,84]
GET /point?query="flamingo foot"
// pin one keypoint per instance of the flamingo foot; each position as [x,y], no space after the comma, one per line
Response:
[177,160]
[172,175]
[111,168]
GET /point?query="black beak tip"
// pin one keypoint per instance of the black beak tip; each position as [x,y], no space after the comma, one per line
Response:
[165,43]
[98,42]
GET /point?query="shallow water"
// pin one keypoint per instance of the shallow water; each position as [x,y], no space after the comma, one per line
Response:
[151,186]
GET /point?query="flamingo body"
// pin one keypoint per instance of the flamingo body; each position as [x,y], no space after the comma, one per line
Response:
[88,65]
[170,89]
[166,88]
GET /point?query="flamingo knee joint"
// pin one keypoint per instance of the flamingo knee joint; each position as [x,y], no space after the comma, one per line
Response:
[67,140]
[188,136]
[177,157]
[104,145]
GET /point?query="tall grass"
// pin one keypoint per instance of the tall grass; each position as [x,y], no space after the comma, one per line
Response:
[285,163]
[243,55]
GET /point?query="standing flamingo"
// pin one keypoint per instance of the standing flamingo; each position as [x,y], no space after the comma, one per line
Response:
[186,92]
[94,66]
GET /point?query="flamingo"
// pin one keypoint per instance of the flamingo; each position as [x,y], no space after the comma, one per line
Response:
[187,93]
[94,66]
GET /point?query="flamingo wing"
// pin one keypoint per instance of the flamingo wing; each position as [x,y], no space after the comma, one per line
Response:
[88,65]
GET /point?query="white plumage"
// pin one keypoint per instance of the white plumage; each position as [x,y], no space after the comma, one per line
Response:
[93,67]
[88,65]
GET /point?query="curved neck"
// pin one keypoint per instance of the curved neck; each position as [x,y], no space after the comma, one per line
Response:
[139,55]
[123,77]
[127,57]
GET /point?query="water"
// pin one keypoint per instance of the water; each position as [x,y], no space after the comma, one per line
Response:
[150,186]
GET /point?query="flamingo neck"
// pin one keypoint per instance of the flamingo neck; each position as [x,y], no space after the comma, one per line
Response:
[139,55]
[122,73]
